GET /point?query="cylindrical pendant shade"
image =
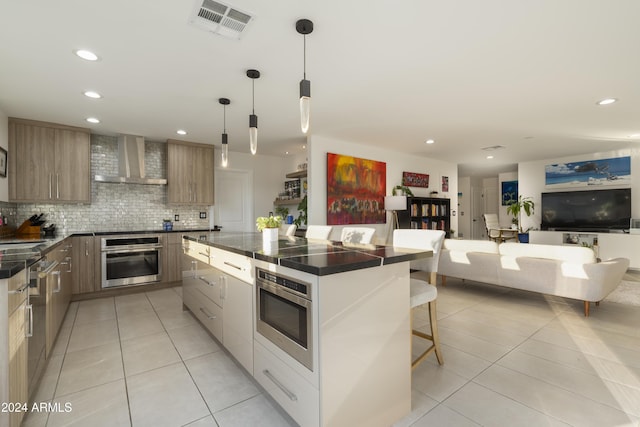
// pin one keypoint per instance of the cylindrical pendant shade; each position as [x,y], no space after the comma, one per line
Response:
[305,112]
[225,151]
[253,140]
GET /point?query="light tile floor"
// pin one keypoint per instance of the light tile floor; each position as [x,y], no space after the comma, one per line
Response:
[511,358]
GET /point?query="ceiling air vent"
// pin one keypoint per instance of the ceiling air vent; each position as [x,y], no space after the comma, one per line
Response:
[219,18]
[493,148]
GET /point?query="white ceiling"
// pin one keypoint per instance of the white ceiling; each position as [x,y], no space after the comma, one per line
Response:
[522,74]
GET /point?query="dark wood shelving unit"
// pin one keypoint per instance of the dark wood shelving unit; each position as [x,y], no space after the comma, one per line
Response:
[430,213]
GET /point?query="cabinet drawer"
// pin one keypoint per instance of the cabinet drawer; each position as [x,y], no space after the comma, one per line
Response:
[205,279]
[18,289]
[236,265]
[196,250]
[208,312]
[296,396]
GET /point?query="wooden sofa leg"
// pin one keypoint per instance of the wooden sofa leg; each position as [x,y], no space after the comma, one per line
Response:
[444,280]
[586,309]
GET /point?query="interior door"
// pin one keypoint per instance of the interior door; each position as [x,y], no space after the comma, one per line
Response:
[477,210]
[233,209]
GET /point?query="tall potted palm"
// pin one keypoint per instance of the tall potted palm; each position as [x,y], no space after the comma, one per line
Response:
[515,208]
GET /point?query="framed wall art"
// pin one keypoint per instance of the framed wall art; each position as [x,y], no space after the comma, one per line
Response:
[412,179]
[509,193]
[614,171]
[355,190]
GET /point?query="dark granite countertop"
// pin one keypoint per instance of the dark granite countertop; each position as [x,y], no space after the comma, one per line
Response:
[317,257]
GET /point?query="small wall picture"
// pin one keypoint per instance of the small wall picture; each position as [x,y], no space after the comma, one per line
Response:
[445,184]
[3,162]
[509,192]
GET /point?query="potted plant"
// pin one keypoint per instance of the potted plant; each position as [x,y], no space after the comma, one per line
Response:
[403,189]
[302,213]
[269,226]
[515,208]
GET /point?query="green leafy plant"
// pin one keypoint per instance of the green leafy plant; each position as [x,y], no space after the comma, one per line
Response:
[523,204]
[283,211]
[263,222]
[403,189]
[302,212]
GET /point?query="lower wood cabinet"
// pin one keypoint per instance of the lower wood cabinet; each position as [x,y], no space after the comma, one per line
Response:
[58,277]
[171,257]
[86,264]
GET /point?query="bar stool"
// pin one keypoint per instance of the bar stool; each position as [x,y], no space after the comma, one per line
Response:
[424,293]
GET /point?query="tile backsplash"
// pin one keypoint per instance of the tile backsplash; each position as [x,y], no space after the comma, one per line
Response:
[115,207]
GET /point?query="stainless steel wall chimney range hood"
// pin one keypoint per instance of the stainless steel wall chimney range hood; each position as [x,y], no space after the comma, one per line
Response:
[130,163]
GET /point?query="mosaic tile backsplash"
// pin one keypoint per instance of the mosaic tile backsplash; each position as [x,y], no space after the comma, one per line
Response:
[115,207]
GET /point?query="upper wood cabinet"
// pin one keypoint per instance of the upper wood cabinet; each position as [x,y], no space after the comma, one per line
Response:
[48,162]
[189,173]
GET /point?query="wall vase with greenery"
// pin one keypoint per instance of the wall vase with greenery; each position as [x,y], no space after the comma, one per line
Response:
[269,227]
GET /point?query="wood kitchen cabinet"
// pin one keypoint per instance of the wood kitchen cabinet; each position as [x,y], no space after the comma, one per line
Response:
[171,258]
[58,279]
[48,162]
[189,173]
[86,265]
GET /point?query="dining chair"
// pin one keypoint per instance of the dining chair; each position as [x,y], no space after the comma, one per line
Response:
[421,291]
[288,230]
[358,235]
[319,232]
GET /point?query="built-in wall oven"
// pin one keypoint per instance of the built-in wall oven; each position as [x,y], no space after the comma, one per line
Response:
[284,314]
[131,260]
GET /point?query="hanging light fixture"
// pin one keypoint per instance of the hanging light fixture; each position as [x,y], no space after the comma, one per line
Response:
[304,27]
[225,137]
[253,119]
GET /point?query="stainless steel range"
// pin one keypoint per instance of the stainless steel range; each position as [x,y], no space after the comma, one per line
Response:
[131,260]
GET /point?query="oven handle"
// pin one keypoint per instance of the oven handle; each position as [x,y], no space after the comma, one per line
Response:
[130,249]
[273,379]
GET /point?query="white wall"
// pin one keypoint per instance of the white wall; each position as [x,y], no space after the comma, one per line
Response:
[4,143]
[397,163]
[531,179]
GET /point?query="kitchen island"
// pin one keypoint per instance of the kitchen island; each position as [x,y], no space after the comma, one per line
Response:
[335,354]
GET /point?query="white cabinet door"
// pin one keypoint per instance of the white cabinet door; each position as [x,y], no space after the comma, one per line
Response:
[238,320]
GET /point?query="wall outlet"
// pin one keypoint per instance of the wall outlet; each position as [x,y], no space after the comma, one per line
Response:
[203,215]
[176,217]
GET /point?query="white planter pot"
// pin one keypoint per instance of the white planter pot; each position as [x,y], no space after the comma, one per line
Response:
[270,240]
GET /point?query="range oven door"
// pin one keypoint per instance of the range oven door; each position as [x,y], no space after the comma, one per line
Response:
[284,318]
[131,261]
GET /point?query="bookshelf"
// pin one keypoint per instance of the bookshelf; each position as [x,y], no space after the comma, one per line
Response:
[426,213]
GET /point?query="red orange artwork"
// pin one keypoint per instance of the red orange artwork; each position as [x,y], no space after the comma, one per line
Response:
[355,190]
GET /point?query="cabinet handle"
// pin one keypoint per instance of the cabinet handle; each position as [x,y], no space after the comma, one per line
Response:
[273,379]
[20,289]
[68,262]
[223,287]
[59,282]
[46,271]
[233,265]
[209,315]
[212,284]
[86,248]
[57,186]
[50,185]
[203,254]
[195,192]
[29,334]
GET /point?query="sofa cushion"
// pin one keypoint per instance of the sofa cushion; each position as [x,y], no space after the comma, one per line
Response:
[458,245]
[572,254]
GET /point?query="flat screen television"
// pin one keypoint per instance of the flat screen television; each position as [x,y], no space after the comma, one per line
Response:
[590,210]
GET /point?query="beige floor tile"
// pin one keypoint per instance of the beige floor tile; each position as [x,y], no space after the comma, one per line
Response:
[436,381]
[589,385]
[62,342]
[491,409]
[552,400]
[90,367]
[165,299]
[444,416]
[173,318]
[257,411]
[101,406]
[137,326]
[459,362]
[70,317]
[220,381]
[177,290]
[49,381]
[93,334]
[35,419]
[148,352]
[472,344]
[192,341]
[420,405]
[165,397]
[133,305]
[95,310]
[204,422]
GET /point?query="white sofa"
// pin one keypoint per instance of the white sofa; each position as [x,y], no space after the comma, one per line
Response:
[565,271]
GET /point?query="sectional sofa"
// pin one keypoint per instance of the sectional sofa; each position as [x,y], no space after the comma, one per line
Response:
[564,271]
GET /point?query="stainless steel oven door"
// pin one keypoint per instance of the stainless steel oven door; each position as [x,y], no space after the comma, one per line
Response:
[285,319]
[131,265]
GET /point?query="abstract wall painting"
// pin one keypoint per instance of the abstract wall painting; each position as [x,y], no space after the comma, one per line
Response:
[509,192]
[355,190]
[614,171]
[412,179]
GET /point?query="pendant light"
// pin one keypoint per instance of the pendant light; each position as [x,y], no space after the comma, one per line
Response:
[253,119]
[304,27]
[225,137]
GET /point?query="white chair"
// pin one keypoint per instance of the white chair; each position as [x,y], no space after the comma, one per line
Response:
[288,230]
[357,235]
[495,232]
[421,291]
[319,232]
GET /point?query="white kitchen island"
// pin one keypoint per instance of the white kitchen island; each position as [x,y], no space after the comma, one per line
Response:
[359,343]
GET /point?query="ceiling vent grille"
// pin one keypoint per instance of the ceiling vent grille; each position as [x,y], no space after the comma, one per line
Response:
[219,18]
[493,148]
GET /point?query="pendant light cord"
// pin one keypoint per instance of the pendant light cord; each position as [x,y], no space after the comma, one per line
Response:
[224,119]
[304,56]
[253,96]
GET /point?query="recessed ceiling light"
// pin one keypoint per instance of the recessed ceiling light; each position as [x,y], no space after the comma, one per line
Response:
[607,101]
[304,146]
[489,157]
[429,141]
[286,152]
[92,120]
[181,132]
[86,54]
[92,94]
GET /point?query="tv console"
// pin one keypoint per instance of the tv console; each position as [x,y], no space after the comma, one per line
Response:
[608,245]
